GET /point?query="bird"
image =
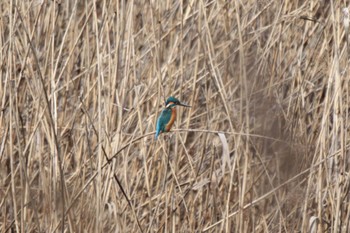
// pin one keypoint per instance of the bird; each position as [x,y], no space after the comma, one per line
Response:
[167,117]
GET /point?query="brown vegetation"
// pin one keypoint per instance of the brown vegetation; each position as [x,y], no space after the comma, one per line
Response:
[264,148]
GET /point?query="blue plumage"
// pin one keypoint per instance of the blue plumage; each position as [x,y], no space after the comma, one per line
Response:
[163,119]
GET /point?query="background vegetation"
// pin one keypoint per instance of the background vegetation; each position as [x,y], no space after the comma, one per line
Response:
[264,148]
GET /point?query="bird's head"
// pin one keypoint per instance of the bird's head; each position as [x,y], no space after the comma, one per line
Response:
[172,102]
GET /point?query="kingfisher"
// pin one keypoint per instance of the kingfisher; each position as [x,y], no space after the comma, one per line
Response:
[168,115]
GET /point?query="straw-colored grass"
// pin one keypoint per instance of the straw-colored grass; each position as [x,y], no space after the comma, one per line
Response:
[264,148]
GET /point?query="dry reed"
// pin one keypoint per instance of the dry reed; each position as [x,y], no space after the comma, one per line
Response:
[264,148]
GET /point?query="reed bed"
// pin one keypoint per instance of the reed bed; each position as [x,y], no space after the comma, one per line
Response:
[264,148]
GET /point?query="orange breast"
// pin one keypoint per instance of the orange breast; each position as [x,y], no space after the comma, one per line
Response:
[172,120]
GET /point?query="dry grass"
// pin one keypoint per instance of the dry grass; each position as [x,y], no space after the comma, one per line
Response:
[264,148]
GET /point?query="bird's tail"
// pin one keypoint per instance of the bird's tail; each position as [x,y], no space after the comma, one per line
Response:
[157,134]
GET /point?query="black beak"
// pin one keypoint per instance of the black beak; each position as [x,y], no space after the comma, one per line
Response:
[184,105]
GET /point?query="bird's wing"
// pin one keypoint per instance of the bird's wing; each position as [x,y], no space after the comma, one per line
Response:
[163,119]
